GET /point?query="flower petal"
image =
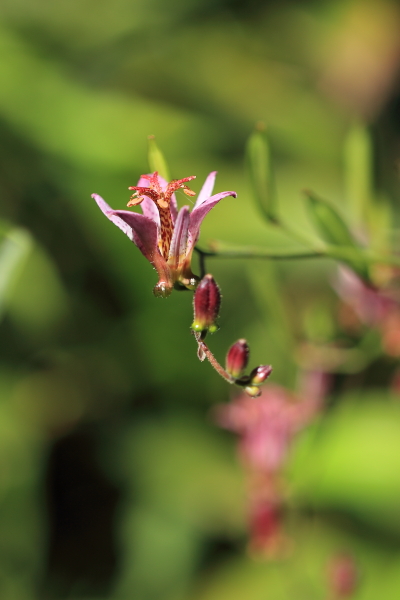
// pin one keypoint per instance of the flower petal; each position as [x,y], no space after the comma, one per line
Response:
[107,210]
[198,214]
[173,206]
[177,251]
[206,190]
[148,206]
[145,236]
[143,231]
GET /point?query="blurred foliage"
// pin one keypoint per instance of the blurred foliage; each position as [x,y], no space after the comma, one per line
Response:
[115,483]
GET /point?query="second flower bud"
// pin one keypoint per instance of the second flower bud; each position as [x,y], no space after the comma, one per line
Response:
[237,358]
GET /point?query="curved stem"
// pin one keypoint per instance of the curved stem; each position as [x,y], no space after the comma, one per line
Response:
[212,360]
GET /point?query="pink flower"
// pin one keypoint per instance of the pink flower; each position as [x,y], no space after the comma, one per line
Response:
[165,236]
[266,426]
[369,304]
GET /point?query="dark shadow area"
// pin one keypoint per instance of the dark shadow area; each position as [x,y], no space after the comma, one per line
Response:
[81,503]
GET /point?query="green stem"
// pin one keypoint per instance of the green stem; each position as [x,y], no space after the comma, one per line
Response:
[251,252]
[221,250]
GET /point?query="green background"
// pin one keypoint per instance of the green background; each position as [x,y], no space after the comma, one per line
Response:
[114,480]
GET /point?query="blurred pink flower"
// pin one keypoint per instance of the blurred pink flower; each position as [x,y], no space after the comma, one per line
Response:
[369,304]
[165,236]
[266,425]
[265,524]
[372,307]
[342,576]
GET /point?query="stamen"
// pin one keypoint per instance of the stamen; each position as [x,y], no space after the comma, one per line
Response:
[175,184]
[137,197]
[188,191]
[162,201]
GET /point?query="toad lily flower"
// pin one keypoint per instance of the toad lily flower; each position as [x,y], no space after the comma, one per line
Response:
[165,236]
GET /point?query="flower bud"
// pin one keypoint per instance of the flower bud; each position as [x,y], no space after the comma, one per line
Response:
[237,358]
[253,391]
[260,374]
[206,303]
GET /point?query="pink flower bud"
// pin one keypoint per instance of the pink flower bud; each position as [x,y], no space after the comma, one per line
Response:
[206,304]
[237,358]
[260,374]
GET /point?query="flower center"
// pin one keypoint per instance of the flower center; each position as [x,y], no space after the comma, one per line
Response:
[162,200]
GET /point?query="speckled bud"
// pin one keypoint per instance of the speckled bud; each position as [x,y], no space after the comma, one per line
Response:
[206,304]
[260,374]
[237,358]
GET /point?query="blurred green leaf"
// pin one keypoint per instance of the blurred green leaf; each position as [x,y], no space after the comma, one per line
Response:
[358,171]
[328,222]
[14,251]
[381,224]
[258,157]
[157,160]
[351,460]
[38,301]
[335,231]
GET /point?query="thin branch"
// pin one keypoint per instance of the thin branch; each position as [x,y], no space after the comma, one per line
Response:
[251,252]
[202,261]
[344,254]
[212,360]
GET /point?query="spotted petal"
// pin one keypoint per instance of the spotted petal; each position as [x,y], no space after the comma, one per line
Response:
[198,214]
[206,190]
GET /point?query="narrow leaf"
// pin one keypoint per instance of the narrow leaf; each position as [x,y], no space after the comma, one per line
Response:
[329,222]
[335,231]
[258,158]
[358,163]
[156,159]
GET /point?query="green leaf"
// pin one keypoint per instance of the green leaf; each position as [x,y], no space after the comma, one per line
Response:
[358,162]
[329,223]
[258,158]
[14,251]
[334,230]
[38,301]
[157,160]
[352,460]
